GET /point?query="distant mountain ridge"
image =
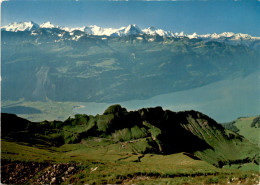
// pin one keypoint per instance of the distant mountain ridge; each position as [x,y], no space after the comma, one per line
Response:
[125,31]
[54,63]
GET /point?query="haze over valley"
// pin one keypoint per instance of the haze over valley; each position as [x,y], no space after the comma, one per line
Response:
[129,64]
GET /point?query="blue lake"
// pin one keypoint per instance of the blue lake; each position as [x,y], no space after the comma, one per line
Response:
[223,101]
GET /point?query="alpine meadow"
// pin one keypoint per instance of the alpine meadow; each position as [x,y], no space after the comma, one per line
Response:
[130,92]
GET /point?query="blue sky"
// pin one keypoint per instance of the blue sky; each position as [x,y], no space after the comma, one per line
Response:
[188,16]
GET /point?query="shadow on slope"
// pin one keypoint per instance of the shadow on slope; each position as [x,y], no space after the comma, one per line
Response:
[148,130]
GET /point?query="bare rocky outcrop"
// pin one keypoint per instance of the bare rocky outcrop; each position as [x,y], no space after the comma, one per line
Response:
[36,173]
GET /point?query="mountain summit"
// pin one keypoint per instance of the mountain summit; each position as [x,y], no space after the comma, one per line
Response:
[21,26]
[154,31]
[47,25]
[132,30]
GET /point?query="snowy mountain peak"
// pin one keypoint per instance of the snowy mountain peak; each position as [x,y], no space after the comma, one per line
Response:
[21,26]
[193,36]
[132,29]
[47,25]
[152,28]
[93,30]
[154,31]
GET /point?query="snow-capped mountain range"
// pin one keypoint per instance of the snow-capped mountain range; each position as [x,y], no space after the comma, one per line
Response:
[124,31]
[24,26]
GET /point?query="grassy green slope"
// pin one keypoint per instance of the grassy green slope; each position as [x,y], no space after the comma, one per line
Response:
[150,130]
[114,163]
[226,144]
[117,165]
[124,145]
[245,129]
